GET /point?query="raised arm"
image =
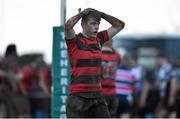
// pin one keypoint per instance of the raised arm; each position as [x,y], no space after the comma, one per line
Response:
[69,25]
[117,25]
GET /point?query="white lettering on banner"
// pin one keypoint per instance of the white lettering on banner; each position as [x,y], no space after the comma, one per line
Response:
[63,98]
[63,53]
[63,116]
[63,89]
[63,108]
[63,45]
[62,35]
[64,72]
[64,62]
[64,81]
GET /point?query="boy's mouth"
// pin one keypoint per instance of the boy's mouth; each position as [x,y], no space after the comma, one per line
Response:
[95,32]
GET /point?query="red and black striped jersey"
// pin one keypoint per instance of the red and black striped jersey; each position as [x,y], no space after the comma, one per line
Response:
[110,61]
[85,58]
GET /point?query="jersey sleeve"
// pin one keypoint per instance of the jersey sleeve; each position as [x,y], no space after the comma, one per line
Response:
[103,36]
[70,41]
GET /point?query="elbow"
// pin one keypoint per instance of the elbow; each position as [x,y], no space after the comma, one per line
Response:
[121,25]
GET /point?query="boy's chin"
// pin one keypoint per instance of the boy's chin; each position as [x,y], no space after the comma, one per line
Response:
[93,36]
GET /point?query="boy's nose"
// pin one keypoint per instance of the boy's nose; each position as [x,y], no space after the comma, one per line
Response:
[97,27]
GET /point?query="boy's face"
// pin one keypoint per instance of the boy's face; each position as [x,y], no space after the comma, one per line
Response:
[90,28]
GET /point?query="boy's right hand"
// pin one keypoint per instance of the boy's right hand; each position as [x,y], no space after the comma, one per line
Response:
[86,11]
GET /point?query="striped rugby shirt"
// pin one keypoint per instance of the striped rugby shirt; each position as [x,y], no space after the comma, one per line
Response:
[85,58]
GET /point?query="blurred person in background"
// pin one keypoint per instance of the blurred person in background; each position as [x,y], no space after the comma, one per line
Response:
[35,87]
[125,87]
[138,71]
[158,98]
[176,68]
[149,98]
[10,83]
[45,83]
[110,61]
[167,85]
[7,86]
[84,50]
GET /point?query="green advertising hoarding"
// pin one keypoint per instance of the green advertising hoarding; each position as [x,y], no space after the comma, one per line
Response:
[60,74]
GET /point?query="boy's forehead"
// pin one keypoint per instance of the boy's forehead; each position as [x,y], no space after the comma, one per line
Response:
[93,20]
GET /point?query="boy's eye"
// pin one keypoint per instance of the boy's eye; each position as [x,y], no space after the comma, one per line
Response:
[93,23]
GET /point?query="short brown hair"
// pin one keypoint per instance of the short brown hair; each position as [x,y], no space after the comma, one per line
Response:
[92,14]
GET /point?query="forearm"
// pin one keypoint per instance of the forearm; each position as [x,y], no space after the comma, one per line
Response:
[112,20]
[22,88]
[72,21]
[144,94]
[172,93]
[44,88]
